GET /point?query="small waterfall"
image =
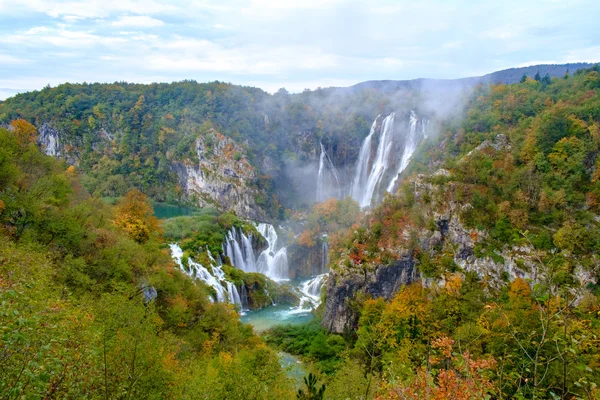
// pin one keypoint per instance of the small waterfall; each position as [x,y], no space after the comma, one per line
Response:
[238,247]
[324,256]
[244,297]
[323,189]
[394,151]
[269,296]
[229,293]
[272,262]
[311,292]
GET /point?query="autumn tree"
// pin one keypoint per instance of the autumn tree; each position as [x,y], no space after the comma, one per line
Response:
[136,217]
[26,133]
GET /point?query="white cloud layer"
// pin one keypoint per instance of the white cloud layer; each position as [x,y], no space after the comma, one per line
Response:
[274,43]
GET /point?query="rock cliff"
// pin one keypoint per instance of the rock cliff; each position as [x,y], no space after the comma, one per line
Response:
[221,177]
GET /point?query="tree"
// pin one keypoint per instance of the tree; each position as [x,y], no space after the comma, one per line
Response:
[537,76]
[26,133]
[136,217]
[523,78]
[312,391]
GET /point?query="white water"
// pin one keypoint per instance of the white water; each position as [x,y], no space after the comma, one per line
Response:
[238,247]
[362,166]
[381,162]
[323,185]
[394,152]
[409,148]
[271,262]
[310,294]
[324,256]
[227,293]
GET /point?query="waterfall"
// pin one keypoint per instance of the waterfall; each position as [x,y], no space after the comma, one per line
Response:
[409,148]
[381,162]
[324,256]
[238,247]
[322,184]
[397,144]
[272,262]
[244,297]
[362,165]
[311,293]
[229,293]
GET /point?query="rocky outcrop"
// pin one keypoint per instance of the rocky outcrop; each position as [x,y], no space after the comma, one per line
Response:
[49,141]
[343,287]
[221,177]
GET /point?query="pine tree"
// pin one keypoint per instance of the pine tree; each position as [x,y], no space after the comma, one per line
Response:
[312,393]
[523,78]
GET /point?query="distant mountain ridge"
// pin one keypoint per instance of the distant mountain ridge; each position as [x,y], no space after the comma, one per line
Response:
[506,76]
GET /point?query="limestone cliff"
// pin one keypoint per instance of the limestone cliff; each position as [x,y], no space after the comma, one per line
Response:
[221,176]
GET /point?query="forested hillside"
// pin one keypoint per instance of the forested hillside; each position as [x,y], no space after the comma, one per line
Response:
[478,278]
[94,307]
[498,216]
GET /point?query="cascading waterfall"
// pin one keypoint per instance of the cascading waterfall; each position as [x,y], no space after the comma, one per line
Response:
[238,247]
[323,185]
[409,148]
[227,293]
[394,151]
[272,262]
[311,293]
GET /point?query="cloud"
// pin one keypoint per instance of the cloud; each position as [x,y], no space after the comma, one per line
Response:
[297,43]
[8,59]
[138,21]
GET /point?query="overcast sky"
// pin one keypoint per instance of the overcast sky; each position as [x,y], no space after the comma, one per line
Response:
[295,44]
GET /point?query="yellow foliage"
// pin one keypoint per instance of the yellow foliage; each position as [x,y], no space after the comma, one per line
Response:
[453,285]
[136,217]
[26,133]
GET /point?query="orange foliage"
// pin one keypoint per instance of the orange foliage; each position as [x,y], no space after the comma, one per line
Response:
[465,379]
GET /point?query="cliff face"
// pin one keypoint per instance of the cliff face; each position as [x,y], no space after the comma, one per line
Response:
[343,287]
[221,176]
[307,261]
[437,199]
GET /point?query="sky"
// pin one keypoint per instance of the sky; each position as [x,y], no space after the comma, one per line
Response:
[295,44]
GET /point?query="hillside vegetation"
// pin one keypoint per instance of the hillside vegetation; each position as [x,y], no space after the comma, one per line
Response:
[93,306]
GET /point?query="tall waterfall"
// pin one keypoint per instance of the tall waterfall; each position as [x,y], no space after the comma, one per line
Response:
[227,293]
[397,143]
[325,186]
[272,262]
[409,148]
[362,166]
